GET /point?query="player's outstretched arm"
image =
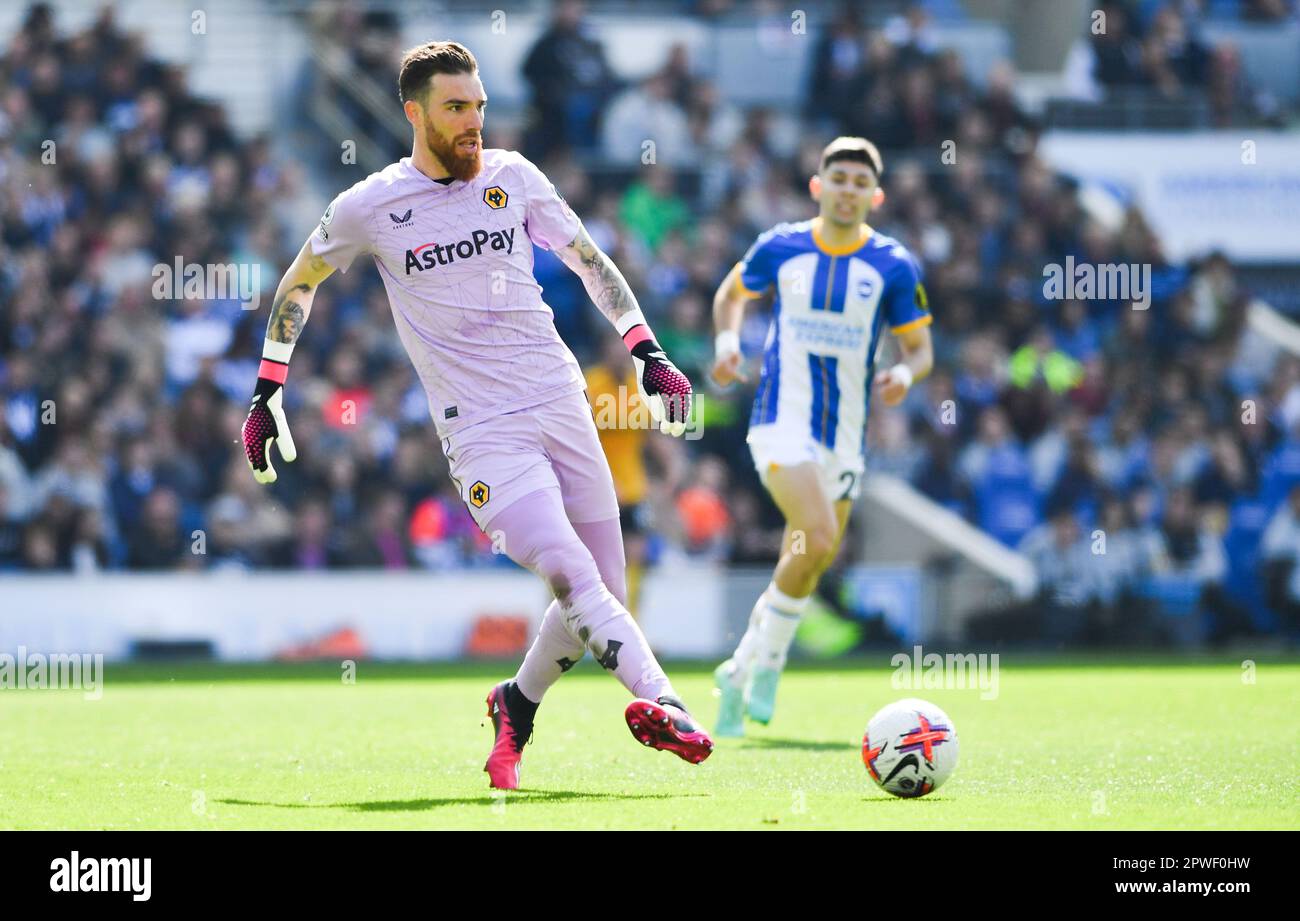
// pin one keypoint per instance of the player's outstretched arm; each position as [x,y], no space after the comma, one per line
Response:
[664,389]
[605,284]
[266,424]
[918,359]
[728,313]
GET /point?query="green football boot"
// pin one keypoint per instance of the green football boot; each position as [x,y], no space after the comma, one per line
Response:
[761,693]
[731,704]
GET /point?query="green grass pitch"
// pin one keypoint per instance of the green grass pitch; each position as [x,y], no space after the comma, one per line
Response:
[1084,744]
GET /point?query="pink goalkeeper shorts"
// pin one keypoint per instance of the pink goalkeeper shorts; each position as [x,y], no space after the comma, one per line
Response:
[554,444]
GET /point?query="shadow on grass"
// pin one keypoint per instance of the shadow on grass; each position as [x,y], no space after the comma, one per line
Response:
[513,797]
[807,745]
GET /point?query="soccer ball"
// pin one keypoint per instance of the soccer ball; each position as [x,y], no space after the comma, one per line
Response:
[910,747]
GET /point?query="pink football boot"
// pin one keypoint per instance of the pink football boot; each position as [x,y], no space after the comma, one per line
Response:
[665,725]
[503,764]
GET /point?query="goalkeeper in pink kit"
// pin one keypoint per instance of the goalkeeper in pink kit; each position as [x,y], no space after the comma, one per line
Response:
[451,230]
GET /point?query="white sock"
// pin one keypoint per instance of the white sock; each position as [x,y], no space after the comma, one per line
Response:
[777,626]
[553,653]
[616,641]
[743,657]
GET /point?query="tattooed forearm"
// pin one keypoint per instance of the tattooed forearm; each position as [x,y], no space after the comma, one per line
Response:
[294,295]
[605,284]
[289,315]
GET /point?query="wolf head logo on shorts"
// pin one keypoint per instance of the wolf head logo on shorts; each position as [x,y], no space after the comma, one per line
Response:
[479,494]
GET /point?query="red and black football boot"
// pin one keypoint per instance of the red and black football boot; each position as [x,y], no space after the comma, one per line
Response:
[513,730]
[664,724]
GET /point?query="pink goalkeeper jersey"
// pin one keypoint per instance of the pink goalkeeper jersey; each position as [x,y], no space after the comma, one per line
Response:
[457,261]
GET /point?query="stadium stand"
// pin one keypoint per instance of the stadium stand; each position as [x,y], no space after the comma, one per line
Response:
[1072,415]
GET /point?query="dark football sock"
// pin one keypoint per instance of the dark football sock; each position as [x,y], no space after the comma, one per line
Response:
[522,710]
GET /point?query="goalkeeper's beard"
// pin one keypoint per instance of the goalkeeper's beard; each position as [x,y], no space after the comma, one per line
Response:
[460,166]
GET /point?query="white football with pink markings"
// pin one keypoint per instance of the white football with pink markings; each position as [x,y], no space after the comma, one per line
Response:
[910,747]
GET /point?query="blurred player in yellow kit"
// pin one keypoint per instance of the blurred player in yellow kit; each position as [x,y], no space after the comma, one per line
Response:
[611,388]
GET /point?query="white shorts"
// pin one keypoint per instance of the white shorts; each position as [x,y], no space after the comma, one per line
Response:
[774,446]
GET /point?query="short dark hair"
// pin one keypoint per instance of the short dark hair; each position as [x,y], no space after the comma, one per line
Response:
[855,150]
[423,61]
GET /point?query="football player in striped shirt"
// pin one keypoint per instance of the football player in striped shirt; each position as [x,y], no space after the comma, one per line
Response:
[836,285]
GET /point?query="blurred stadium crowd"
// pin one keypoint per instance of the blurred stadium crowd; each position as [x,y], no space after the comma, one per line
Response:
[1172,431]
[1155,47]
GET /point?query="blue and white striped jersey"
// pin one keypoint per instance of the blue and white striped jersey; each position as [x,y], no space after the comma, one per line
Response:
[831,305]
